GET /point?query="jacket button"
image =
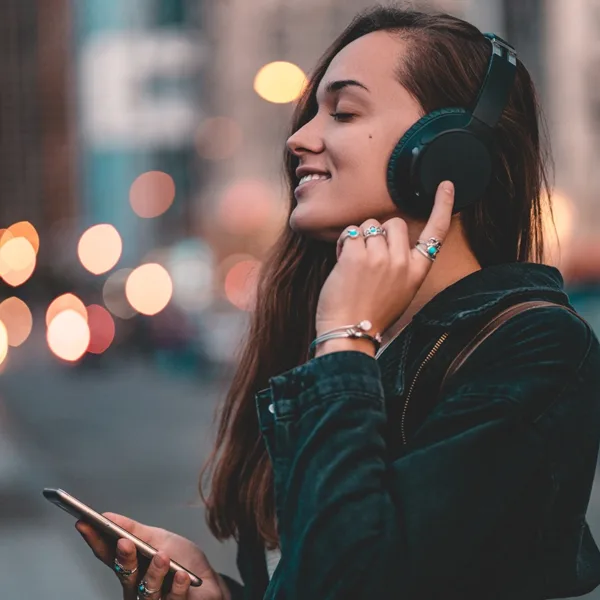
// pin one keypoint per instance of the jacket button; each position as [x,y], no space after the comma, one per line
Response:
[272,409]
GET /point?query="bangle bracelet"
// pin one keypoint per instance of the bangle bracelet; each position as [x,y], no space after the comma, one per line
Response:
[348,333]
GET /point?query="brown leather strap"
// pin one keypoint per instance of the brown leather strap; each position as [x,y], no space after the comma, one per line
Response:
[490,328]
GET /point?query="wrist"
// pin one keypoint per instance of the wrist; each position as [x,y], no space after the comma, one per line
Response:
[345,344]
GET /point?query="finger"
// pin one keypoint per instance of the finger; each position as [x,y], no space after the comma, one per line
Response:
[397,238]
[102,549]
[180,587]
[439,222]
[125,522]
[126,555]
[354,238]
[374,242]
[150,586]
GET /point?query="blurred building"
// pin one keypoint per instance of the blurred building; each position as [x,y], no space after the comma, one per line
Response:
[140,94]
[37,166]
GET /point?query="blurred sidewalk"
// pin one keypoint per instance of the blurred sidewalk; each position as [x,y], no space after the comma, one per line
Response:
[29,537]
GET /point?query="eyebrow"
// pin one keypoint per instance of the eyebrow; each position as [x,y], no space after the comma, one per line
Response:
[336,86]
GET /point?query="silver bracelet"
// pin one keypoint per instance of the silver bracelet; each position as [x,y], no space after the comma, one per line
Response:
[350,331]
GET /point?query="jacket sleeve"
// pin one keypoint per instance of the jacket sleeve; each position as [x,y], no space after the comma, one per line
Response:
[351,523]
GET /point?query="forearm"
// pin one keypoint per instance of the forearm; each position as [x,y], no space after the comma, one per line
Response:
[336,490]
[341,344]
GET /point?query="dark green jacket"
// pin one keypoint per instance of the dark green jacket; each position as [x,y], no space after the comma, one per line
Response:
[486,500]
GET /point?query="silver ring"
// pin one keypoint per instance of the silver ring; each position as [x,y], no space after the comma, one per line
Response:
[121,571]
[144,591]
[430,248]
[352,233]
[373,230]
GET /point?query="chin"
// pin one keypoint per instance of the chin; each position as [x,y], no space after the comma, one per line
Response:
[311,226]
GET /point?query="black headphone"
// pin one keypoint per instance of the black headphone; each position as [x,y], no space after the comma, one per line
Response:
[453,143]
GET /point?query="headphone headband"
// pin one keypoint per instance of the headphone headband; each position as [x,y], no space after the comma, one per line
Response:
[497,83]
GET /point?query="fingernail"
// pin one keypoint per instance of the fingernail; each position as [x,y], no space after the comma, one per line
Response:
[448,186]
[158,561]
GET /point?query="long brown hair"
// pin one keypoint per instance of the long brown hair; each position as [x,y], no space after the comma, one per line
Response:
[444,67]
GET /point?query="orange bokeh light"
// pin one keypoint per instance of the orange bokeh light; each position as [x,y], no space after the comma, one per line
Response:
[26,230]
[102,329]
[151,194]
[149,288]
[65,302]
[17,259]
[240,284]
[5,235]
[3,342]
[246,207]
[280,82]
[16,316]
[99,248]
[68,335]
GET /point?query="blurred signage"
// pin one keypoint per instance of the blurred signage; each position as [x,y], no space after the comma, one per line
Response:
[137,88]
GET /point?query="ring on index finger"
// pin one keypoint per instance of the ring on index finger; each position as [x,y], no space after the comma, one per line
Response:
[430,249]
[121,571]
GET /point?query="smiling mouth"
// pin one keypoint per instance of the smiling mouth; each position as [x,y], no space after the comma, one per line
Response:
[307,183]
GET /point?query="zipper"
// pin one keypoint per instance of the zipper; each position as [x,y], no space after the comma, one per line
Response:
[431,354]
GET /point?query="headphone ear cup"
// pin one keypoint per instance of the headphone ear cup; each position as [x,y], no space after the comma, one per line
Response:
[402,185]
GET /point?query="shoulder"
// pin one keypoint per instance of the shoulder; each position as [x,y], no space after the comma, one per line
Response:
[533,354]
[552,332]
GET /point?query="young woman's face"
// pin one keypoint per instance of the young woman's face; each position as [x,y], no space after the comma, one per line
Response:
[352,150]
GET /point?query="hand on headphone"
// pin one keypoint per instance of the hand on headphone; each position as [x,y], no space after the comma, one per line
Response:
[376,278]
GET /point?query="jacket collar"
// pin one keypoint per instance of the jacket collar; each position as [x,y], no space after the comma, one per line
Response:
[487,288]
[485,291]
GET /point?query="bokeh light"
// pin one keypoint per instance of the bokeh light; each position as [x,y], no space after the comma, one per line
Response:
[63,303]
[17,318]
[99,248]
[191,266]
[246,207]
[240,283]
[280,82]
[113,294]
[151,194]
[68,335]
[102,329]
[17,259]
[218,138]
[149,288]
[3,342]
[26,230]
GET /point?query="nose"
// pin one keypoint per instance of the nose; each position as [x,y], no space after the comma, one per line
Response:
[305,140]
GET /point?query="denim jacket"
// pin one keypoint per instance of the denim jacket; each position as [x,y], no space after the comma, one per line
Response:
[478,490]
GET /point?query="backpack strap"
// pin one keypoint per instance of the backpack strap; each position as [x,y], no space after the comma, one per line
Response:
[491,327]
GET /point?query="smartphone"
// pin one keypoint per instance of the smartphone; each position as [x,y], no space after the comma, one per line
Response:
[107,527]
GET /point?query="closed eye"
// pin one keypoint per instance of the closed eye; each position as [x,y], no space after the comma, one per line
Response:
[342,117]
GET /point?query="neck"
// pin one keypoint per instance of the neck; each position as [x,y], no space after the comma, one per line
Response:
[455,261]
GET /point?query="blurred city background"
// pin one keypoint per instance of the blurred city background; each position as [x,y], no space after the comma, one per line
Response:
[140,186]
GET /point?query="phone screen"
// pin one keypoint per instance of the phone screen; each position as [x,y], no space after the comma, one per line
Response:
[82,511]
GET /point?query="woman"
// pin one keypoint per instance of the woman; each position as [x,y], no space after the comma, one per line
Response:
[342,476]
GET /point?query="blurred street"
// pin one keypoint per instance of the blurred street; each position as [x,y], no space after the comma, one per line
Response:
[130,440]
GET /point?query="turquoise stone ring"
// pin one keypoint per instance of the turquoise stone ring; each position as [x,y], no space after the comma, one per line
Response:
[430,248]
[121,571]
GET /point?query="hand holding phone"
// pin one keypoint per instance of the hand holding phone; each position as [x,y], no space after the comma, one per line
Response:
[101,533]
